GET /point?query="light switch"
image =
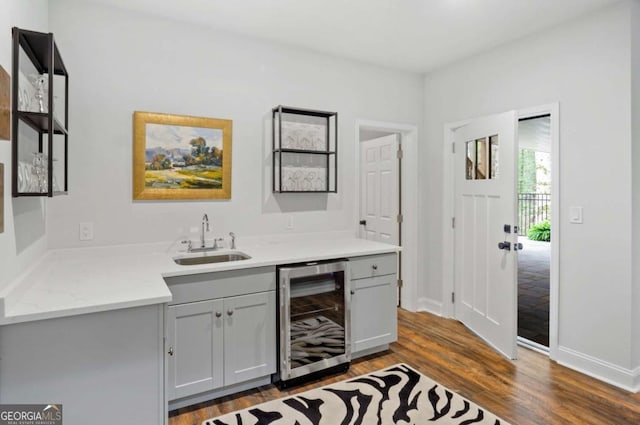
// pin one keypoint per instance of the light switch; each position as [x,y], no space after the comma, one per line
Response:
[575,215]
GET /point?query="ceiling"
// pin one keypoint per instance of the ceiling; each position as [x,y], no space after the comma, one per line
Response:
[413,35]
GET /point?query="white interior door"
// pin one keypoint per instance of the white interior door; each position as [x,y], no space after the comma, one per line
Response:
[485,201]
[379,196]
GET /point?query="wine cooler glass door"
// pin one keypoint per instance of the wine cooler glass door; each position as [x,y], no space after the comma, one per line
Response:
[314,318]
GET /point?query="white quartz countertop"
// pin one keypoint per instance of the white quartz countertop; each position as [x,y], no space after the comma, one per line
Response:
[68,282]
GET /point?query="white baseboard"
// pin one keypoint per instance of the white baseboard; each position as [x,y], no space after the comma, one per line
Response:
[636,380]
[610,373]
[430,306]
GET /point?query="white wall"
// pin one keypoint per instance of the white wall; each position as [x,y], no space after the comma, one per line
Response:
[635,117]
[122,62]
[24,236]
[585,66]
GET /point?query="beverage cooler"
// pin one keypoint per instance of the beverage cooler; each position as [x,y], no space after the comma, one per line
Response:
[314,319]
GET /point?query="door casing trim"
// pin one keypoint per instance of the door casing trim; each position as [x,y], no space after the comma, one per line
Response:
[448,211]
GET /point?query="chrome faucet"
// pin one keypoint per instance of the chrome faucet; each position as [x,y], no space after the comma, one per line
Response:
[233,240]
[205,224]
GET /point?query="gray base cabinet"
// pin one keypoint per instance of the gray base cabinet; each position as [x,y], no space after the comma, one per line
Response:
[195,340]
[249,337]
[373,301]
[218,342]
[104,368]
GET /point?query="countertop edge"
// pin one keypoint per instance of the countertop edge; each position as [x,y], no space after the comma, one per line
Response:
[239,265]
[162,294]
[58,314]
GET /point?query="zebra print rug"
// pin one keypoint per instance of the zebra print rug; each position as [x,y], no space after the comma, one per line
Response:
[396,395]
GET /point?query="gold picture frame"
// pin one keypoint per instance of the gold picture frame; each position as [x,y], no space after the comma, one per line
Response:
[5,115]
[1,197]
[179,157]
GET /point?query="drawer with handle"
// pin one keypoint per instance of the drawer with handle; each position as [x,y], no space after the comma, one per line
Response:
[373,265]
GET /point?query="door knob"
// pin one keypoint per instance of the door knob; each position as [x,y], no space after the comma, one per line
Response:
[374,267]
[517,246]
[505,245]
[218,314]
[171,351]
[230,312]
[363,222]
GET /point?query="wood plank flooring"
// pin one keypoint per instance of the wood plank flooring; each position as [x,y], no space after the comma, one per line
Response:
[531,390]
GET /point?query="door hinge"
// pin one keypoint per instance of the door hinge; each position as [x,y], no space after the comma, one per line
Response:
[400,218]
[453,147]
[400,283]
[399,154]
[453,298]
[453,222]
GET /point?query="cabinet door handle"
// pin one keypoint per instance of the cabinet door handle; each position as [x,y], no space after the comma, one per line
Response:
[218,314]
[374,267]
[230,312]
[353,292]
[171,351]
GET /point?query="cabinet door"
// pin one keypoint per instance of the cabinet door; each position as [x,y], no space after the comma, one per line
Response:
[249,336]
[194,344]
[374,318]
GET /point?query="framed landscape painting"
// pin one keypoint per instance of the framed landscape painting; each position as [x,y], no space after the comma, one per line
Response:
[181,157]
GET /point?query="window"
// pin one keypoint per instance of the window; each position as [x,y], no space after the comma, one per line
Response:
[482,160]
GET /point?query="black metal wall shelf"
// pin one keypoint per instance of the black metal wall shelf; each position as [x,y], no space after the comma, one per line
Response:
[35,175]
[39,121]
[305,143]
[304,151]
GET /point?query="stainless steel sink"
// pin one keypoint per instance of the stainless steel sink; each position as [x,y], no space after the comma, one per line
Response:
[191,260]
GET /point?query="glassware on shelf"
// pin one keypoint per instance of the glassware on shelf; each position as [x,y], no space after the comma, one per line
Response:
[304,150]
[24,176]
[22,103]
[39,178]
[39,170]
[303,136]
[303,179]
[40,82]
[290,135]
[39,87]
[304,141]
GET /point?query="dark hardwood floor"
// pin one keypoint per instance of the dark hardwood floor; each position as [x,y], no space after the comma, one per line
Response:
[531,390]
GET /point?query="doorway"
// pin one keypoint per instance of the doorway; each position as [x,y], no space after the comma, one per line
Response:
[380,189]
[380,212]
[408,201]
[454,170]
[534,231]
[485,246]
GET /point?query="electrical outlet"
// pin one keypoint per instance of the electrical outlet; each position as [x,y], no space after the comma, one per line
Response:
[86,231]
